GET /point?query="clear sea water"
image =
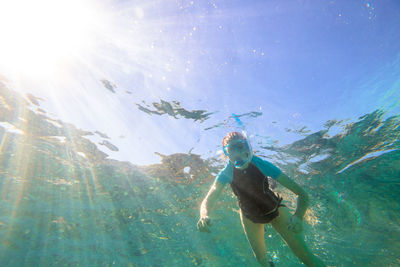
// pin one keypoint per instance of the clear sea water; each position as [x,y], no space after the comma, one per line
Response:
[105,161]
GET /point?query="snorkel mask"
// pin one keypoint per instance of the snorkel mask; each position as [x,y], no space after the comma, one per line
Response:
[239,152]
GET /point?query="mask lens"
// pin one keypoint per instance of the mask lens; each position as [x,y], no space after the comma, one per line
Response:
[236,147]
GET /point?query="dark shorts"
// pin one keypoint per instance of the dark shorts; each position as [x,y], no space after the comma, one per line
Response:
[264,218]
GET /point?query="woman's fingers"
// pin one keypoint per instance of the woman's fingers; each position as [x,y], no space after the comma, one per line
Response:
[204,228]
[203,224]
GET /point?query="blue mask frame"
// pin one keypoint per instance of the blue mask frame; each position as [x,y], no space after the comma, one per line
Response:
[236,147]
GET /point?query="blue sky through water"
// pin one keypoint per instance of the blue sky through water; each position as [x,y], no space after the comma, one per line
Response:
[300,63]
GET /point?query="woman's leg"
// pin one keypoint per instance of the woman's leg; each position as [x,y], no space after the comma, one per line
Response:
[294,241]
[255,235]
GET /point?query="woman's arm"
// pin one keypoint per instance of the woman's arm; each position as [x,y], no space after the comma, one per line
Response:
[302,200]
[207,204]
[209,201]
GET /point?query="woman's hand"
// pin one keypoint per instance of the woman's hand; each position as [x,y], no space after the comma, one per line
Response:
[203,224]
[295,224]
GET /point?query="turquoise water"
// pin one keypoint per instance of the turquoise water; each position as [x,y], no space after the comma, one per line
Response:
[111,122]
[64,203]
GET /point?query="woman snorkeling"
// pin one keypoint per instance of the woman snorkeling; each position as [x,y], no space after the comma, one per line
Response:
[248,177]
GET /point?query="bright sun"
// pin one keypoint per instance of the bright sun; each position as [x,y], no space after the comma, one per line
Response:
[37,37]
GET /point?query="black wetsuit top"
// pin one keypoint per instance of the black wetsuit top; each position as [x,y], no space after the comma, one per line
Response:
[257,202]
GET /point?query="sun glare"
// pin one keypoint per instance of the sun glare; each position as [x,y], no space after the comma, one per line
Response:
[38,37]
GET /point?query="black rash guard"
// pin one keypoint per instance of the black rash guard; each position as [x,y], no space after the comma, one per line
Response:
[257,202]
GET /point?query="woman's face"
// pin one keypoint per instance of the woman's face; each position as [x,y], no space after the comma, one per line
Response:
[238,152]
